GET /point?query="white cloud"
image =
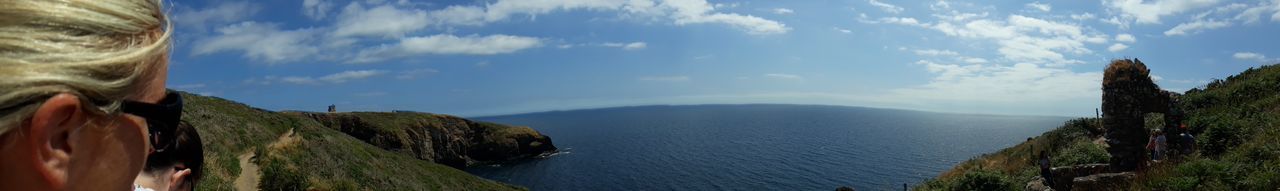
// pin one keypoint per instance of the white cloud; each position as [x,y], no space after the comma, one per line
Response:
[780,76]
[890,8]
[726,5]
[940,5]
[935,52]
[1117,47]
[221,13]
[260,41]
[902,21]
[1250,56]
[1221,10]
[664,78]
[411,74]
[783,11]
[973,60]
[1082,16]
[1150,12]
[1252,14]
[316,9]
[1195,27]
[459,15]
[1027,40]
[503,9]
[1040,6]
[336,78]
[350,75]
[698,11]
[626,46]
[1126,38]
[998,85]
[379,21]
[842,30]
[681,12]
[956,16]
[448,44]
[1123,24]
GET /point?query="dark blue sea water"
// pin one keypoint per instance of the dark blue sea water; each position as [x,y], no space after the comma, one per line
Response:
[755,147]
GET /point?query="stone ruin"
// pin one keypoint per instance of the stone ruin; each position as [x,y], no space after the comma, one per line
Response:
[1128,94]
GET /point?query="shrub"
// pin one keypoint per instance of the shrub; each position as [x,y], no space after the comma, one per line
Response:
[1220,137]
[1202,174]
[1266,179]
[276,175]
[1081,152]
[983,180]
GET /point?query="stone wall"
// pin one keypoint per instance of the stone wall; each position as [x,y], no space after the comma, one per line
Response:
[1128,94]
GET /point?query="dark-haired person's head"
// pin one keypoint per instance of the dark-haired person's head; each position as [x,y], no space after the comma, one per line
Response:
[177,167]
[71,73]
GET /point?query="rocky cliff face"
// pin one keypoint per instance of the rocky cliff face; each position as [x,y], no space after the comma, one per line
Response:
[442,139]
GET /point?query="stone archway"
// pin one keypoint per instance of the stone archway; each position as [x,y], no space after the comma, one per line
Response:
[1128,94]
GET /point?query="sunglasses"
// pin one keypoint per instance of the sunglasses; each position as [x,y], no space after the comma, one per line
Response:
[162,118]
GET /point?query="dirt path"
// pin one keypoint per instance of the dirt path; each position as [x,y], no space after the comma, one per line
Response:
[285,140]
[248,179]
[249,175]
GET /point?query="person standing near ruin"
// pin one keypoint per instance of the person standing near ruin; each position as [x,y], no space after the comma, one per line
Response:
[1151,146]
[1188,141]
[1045,170]
[1161,145]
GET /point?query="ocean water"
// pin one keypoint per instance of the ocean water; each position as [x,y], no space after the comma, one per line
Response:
[754,147]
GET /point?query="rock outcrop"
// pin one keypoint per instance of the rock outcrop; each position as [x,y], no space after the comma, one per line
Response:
[442,139]
[1063,175]
[1036,184]
[1104,181]
[1128,94]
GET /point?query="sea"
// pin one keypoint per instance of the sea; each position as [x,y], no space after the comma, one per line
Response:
[754,147]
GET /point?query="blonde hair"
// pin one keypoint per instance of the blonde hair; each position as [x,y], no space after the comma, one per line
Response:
[98,50]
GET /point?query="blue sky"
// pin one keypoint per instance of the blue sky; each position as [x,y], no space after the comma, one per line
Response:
[475,58]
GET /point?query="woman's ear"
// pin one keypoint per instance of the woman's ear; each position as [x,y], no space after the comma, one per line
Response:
[177,179]
[51,127]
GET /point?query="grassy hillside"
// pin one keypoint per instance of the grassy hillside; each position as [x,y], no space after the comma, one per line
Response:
[1236,122]
[294,152]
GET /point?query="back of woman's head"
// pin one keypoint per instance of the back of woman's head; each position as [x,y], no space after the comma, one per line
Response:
[100,50]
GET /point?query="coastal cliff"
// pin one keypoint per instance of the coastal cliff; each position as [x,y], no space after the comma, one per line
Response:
[248,148]
[1235,122]
[442,139]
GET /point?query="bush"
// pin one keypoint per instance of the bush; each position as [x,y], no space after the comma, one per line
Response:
[1268,179]
[984,180]
[1081,152]
[276,175]
[1202,174]
[1220,137]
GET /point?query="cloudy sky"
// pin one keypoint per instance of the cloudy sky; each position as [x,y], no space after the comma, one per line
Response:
[475,58]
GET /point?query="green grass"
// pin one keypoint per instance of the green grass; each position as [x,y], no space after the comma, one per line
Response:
[1236,122]
[325,159]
